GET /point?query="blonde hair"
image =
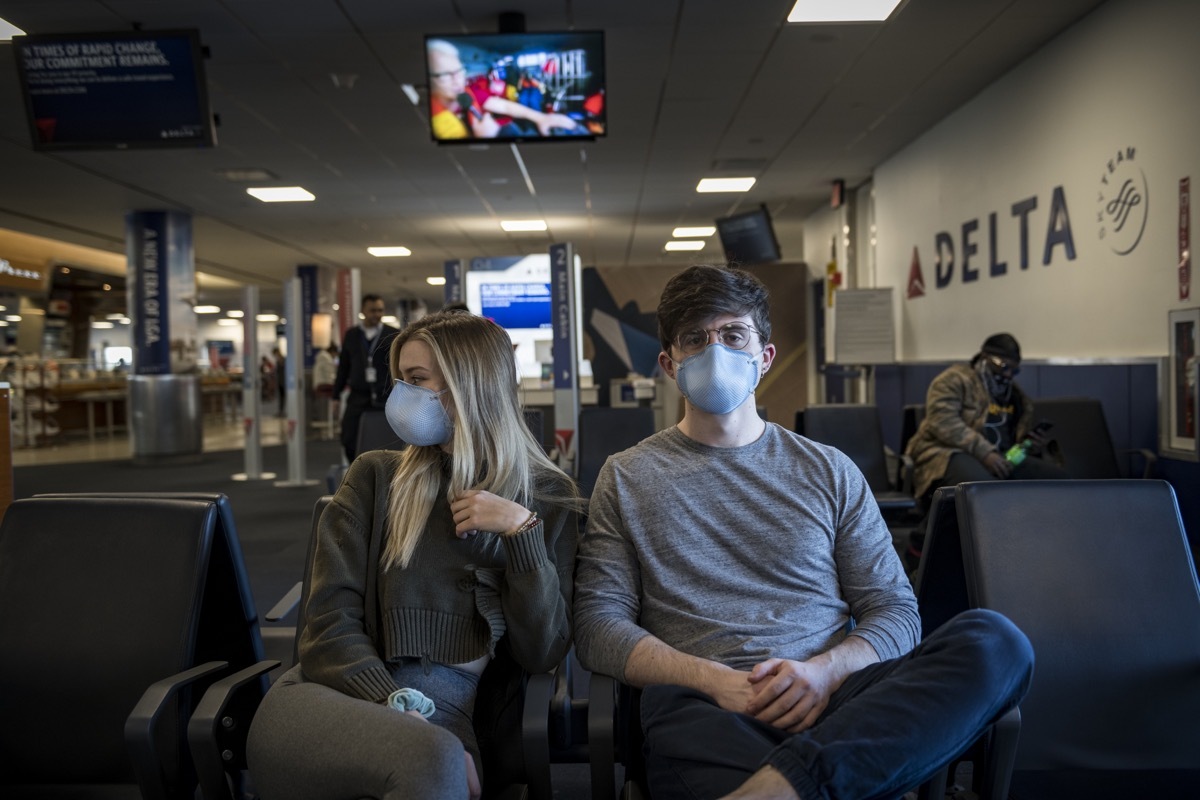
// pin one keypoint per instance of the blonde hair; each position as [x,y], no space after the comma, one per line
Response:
[492,448]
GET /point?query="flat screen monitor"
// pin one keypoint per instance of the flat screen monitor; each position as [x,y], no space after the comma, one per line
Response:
[516,86]
[131,89]
[514,292]
[749,237]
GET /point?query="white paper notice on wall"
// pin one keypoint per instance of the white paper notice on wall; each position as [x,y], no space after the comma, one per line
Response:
[864,327]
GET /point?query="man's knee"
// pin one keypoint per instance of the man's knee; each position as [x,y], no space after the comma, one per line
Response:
[994,641]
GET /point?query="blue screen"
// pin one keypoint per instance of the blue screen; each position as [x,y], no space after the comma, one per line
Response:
[114,90]
[516,305]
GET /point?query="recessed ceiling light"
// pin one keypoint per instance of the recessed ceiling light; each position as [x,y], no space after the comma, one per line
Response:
[267,318]
[686,233]
[8,30]
[282,194]
[687,244]
[13,318]
[235,313]
[436,280]
[102,324]
[207,309]
[512,225]
[842,10]
[389,252]
[114,317]
[725,185]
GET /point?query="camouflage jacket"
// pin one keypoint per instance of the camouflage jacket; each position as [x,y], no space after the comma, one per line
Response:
[956,408]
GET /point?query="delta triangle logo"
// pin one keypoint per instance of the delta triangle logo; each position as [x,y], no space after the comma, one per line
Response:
[916,281]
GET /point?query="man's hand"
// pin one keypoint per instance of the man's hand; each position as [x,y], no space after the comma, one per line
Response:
[997,464]
[730,688]
[791,695]
[548,122]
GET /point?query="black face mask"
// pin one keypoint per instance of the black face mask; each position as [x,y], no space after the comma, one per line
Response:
[998,385]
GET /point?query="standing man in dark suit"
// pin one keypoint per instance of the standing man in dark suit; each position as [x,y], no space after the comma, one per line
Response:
[363,367]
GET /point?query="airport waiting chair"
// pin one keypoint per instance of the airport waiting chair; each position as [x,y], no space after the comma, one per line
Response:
[855,429]
[910,420]
[109,619]
[374,433]
[1082,433]
[508,726]
[1099,576]
[603,432]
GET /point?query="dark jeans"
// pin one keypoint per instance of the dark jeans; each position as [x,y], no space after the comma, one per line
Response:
[966,467]
[887,729]
[356,404]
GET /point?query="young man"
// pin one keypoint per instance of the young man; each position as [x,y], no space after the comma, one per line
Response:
[363,368]
[743,577]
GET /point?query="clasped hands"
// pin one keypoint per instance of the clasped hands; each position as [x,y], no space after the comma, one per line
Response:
[476,510]
[789,695]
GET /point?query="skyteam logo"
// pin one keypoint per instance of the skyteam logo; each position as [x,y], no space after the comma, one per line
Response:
[1123,203]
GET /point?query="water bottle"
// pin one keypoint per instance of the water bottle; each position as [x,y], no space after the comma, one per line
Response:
[1017,453]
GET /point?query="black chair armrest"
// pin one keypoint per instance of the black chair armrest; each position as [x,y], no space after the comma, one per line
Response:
[217,730]
[904,476]
[602,734]
[535,734]
[285,604]
[1149,459]
[1001,756]
[141,727]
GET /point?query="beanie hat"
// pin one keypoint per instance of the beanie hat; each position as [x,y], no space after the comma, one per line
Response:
[1003,345]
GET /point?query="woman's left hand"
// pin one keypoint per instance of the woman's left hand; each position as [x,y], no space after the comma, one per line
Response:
[475,510]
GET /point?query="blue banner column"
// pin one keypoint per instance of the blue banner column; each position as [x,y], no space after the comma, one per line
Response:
[564,298]
[165,410]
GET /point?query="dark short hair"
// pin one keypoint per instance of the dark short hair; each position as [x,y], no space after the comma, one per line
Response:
[369,298]
[705,291]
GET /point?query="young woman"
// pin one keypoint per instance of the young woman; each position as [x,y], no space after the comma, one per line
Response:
[425,560]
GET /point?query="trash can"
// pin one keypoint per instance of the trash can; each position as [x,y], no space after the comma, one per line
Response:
[166,420]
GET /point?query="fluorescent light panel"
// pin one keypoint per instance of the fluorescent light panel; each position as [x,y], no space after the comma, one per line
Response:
[436,280]
[725,185]
[282,194]
[235,313]
[690,233]
[8,30]
[207,309]
[512,225]
[389,252]
[842,10]
[267,318]
[686,244]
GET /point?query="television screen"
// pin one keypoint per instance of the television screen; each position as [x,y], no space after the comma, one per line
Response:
[516,86]
[748,238]
[114,90]
[514,292]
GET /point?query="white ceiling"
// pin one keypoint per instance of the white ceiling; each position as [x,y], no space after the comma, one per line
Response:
[695,88]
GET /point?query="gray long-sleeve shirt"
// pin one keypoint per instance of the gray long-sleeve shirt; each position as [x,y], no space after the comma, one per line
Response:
[736,555]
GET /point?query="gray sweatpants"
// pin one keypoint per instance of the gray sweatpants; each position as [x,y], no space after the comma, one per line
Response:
[311,742]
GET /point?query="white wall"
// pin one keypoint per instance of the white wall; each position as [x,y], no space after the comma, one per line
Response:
[1121,81]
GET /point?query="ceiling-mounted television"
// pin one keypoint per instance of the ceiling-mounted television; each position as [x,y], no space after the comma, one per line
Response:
[749,237]
[128,89]
[516,87]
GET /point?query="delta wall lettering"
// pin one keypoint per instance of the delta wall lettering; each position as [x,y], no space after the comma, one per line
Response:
[969,263]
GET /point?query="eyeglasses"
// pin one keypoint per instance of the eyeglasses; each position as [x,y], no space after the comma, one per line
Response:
[734,335]
[1002,366]
[437,76]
